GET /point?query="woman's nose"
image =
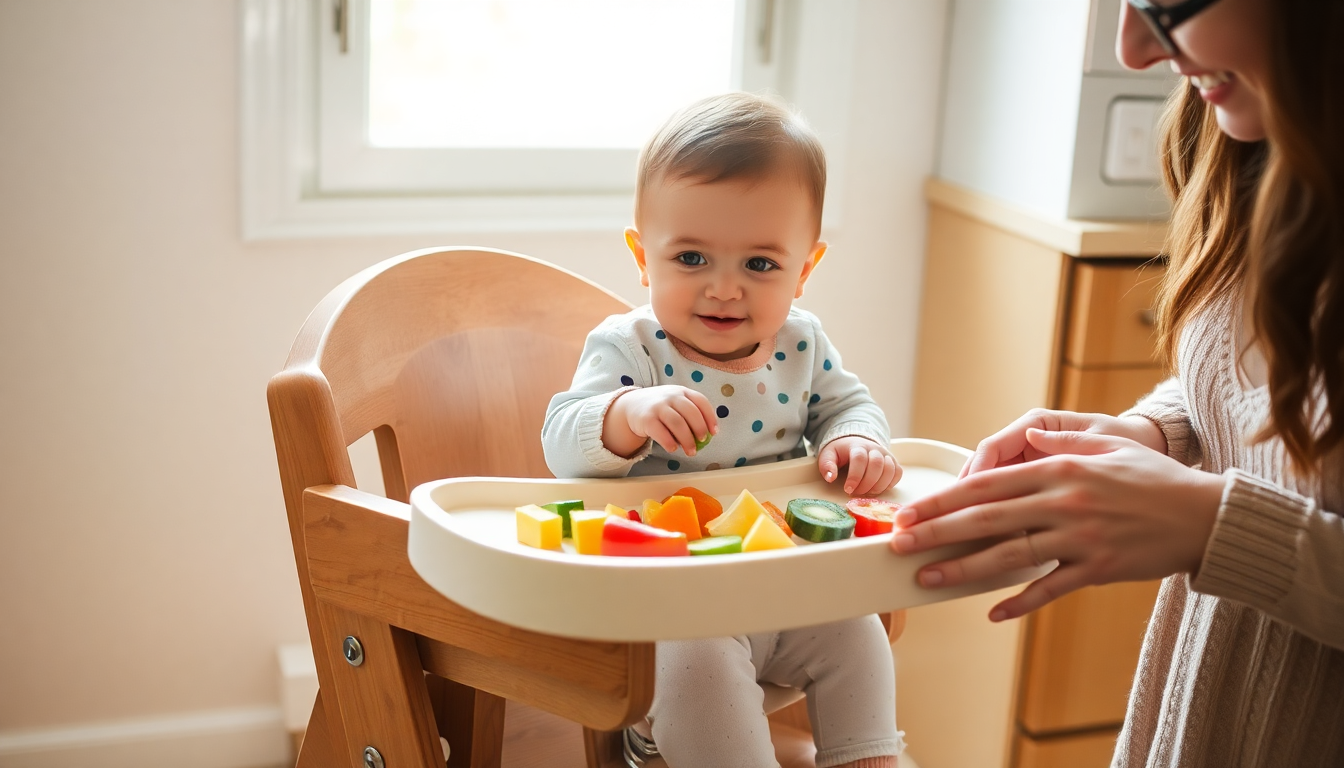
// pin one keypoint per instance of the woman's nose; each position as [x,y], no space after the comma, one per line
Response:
[1135,45]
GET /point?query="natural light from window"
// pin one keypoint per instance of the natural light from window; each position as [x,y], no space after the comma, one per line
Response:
[541,73]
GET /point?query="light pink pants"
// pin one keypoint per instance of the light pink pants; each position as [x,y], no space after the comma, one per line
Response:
[707,703]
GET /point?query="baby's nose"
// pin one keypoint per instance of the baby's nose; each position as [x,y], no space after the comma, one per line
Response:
[723,288]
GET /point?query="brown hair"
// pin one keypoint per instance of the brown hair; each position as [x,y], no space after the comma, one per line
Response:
[1268,217]
[734,136]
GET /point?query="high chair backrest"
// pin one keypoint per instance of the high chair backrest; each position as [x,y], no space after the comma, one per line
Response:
[450,357]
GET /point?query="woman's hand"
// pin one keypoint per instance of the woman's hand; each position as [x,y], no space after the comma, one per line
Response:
[672,416]
[1009,445]
[872,468]
[1107,508]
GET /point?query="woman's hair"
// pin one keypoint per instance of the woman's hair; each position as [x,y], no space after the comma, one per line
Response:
[1269,216]
[734,136]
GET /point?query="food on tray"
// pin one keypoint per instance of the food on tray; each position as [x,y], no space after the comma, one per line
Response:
[778,517]
[764,534]
[563,508]
[700,443]
[872,516]
[716,545]
[650,506]
[816,520]
[626,538]
[737,519]
[537,527]
[706,507]
[677,513]
[612,509]
[587,527]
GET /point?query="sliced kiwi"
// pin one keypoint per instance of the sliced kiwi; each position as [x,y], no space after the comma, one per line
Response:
[817,520]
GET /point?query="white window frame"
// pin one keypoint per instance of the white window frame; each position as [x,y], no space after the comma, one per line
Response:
[281,148]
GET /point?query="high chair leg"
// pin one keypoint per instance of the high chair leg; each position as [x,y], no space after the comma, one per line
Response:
[471,720]
[603,748]
[382,700]
[317,750]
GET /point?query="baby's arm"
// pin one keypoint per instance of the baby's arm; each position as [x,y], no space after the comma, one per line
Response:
[572,434]
[847,426]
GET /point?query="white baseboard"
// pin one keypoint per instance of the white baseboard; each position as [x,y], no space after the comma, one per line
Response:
[252,737]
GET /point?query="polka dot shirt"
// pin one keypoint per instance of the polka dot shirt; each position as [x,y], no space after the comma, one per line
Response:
[791,393]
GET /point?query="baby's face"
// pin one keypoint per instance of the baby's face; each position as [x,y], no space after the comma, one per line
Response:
[725,260]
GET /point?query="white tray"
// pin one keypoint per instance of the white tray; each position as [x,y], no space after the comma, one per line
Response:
[463,543]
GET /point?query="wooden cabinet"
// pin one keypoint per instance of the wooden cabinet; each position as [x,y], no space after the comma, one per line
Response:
[1022,312]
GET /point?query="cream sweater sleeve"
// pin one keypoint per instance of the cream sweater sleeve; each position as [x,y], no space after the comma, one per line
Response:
[1277,551]
[1166,407]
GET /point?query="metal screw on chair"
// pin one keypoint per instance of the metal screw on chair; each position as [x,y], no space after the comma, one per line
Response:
[372,758]
[354,653]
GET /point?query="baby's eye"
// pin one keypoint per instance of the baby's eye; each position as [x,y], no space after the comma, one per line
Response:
[761,264]
[691,259]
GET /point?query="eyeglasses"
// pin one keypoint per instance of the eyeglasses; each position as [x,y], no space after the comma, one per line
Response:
[1164,18]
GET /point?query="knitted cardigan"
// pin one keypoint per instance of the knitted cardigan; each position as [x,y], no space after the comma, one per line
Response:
[1243,662]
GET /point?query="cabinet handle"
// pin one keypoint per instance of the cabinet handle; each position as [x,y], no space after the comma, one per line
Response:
[1148,317]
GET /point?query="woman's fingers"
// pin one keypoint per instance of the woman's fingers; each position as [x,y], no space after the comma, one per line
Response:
[979,521]
[1015,554]
[1052,586]
[1078,443]
[993,485]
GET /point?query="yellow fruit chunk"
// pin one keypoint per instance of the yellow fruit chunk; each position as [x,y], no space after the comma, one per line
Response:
[586,525]
[537,527]
[765,534]
[612,509]
[677,514]
[737,519]
[650,506]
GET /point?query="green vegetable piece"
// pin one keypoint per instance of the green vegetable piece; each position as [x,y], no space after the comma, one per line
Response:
[563,508]
[716,545]
[816,520]
[701,443]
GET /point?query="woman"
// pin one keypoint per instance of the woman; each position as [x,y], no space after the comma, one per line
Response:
[1229,477]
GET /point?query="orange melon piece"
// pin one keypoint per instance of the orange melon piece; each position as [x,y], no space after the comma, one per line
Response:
[677,514]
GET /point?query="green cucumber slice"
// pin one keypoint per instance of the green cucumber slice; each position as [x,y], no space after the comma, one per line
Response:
[700,443]
[716,545]
[816,520]
[563,508]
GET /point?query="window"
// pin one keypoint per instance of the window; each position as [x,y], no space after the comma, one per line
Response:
[396,116]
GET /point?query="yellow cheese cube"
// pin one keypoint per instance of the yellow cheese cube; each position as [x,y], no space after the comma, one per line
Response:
[612,509]
[537,527]
[738,518]
[586,525]
[766,534]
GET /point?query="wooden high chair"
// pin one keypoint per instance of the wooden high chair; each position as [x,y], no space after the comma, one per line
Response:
[449,356]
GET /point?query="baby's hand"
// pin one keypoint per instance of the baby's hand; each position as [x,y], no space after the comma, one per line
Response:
[671,415]
[872,469]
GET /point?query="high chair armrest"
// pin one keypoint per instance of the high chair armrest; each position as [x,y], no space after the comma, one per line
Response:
[356,549]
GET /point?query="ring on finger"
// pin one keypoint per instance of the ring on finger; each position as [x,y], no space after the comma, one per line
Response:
[1036,559]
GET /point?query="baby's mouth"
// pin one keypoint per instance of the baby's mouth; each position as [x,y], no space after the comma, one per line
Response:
[719,323]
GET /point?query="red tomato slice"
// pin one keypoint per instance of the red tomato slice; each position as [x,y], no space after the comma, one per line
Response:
[627,538]
[634,515]
[872,516]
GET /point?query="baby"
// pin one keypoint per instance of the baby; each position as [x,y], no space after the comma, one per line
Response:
[727,224]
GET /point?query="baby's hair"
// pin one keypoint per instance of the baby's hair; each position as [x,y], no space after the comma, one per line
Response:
[734,136]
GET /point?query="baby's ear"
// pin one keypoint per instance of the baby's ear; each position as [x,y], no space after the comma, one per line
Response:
[637,248]
[812,261]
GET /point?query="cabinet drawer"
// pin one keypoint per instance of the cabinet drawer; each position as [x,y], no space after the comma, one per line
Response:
[1080,657]
[1090,750]
[1110,313]
[1105,390]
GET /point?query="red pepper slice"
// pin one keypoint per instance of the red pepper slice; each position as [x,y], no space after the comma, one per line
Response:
[626,538]
[633,514]
[872,516]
